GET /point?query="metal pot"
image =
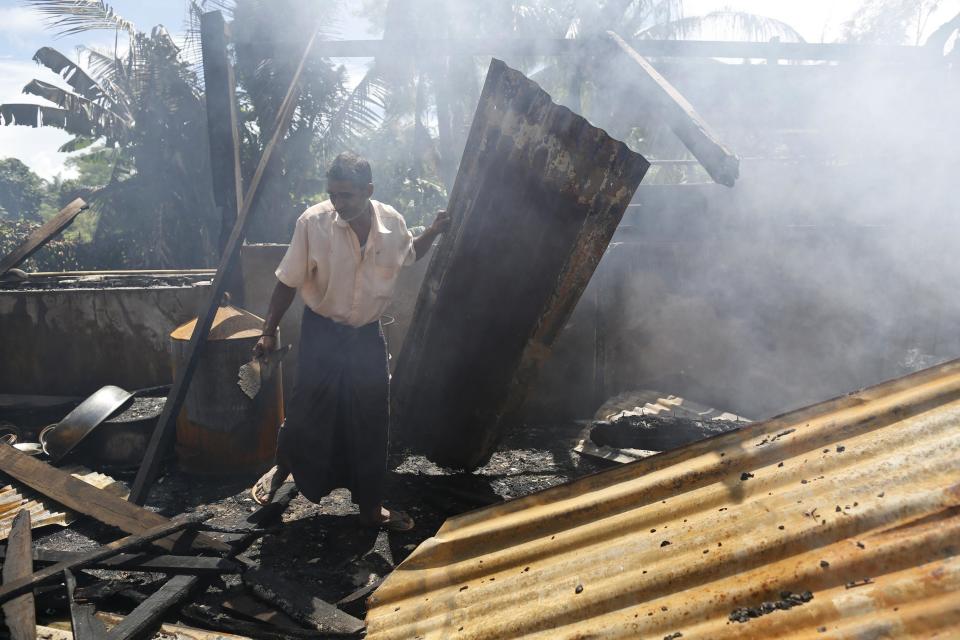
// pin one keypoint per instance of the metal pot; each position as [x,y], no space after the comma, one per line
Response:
[119,443]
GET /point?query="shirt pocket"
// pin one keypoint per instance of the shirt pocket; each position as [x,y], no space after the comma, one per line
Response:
[382,275]
[389,256]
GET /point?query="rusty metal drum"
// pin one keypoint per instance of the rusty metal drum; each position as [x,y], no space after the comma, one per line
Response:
[221,431]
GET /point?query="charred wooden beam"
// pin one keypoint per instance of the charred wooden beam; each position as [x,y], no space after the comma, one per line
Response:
[538,196]
[290,598]
[20,613]
[722,164]
[85,625]
[147,615]
[216,618]
[25,584]
[84,498]
[142,562]
[162,436]
[42,235]
[250,608]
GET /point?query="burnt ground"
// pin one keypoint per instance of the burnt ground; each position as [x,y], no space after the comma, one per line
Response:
[320,546]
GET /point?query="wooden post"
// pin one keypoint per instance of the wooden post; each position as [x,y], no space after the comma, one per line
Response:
[20,613]
[722,165]
[160,441]
[222,129]
[47,232]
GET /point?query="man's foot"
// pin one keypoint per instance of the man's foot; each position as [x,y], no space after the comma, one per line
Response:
[389,519]
[268,485]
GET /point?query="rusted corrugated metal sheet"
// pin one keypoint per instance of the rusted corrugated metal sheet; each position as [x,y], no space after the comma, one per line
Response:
[537,198]
[855,500]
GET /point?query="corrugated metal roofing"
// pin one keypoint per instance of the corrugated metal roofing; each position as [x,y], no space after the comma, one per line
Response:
[855,500]
[654,403]
[538,196]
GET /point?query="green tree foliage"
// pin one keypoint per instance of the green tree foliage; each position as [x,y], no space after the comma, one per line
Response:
[21,191]
[270,38]
[155,207]
[60,254]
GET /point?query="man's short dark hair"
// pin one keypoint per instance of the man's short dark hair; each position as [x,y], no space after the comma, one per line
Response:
[351,168]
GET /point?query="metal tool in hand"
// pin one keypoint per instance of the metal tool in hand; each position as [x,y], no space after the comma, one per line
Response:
[253,374]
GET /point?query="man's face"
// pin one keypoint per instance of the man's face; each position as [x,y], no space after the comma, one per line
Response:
[349,199]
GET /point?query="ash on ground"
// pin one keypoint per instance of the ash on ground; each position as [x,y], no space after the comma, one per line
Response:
[322,546]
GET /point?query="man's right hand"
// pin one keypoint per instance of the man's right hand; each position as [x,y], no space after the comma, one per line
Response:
[265,345]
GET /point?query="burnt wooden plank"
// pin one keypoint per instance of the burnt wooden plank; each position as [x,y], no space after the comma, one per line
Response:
[142,562]
[42,235]
[20,613]
[249,607]
[25,584]
[85,625]
[161,439]
[362,592]
[537,198]
[697,136]
[86,499]
[147,615]
[291,598]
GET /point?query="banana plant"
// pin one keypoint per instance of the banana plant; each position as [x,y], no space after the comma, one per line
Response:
[143,104]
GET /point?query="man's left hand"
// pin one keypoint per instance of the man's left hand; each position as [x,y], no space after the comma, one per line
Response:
[441,223]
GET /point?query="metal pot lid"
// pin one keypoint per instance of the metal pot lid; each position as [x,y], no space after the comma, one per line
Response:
[60,439]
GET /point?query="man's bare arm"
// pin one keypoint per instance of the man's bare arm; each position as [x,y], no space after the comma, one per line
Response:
[421,244]
[280,301]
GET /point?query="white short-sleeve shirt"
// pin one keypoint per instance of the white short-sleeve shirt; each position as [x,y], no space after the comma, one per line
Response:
[335,277]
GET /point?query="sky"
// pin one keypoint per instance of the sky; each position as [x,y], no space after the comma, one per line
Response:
[22,32]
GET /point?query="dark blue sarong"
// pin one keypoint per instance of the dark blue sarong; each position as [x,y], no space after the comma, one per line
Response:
[335,432]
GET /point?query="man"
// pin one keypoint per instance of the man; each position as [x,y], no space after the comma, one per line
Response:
[344,258]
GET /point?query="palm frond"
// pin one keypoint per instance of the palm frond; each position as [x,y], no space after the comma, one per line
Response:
[70,17]
[629,16]
[112,75]
[35,115]
[723,24]
[192,49]
[104,121]
[72,74]
[360,113]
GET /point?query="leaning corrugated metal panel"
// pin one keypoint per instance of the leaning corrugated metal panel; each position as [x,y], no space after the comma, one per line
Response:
[854,500]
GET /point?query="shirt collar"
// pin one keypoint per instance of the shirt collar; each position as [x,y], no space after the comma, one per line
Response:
[377,219]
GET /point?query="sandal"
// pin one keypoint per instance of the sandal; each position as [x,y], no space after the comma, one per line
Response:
[396,521]
[266,487]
